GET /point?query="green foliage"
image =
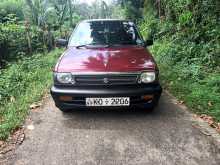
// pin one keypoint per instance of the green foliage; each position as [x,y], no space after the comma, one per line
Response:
[197,87]
[132,9]
[55,14]
[21,84]
[187,49]
[8,7]
[14,43]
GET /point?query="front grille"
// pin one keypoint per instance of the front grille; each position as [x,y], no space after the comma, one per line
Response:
[119,79]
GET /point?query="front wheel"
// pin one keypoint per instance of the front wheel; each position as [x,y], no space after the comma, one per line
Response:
[64,110]
[151,108]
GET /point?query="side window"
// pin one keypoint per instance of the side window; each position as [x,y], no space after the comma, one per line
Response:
[132,32]
[82,35]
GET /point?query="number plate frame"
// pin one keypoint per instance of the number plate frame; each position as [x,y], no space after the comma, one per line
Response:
[108,102]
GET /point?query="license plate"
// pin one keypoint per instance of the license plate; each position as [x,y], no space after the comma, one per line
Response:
[107,102]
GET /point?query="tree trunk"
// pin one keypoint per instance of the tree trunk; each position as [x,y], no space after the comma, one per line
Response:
[71,13]
[29,42]
[33,10]
[159,8]
[28,37]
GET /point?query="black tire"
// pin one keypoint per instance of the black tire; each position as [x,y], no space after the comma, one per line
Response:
[150,110]
[147,109]
[64,110]
[155,104]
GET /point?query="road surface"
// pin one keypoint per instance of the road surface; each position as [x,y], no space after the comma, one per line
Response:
[169,136]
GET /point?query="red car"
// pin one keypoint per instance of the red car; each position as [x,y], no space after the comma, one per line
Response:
[106,64]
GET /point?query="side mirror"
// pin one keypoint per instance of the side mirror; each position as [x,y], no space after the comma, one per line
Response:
[61,43]
[148,43]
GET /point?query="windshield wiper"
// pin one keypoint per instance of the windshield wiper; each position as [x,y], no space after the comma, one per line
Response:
[93,45]
[80,46]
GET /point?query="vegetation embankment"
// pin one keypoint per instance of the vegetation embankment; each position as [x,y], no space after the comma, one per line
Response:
[28,29]
[22,84]
[25,64]
[187,48]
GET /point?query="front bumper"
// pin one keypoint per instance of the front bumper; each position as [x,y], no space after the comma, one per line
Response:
[79,94]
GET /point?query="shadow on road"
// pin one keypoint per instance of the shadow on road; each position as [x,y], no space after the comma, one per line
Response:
[122,119]
[116,136]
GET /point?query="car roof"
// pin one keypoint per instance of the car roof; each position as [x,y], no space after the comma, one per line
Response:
[106,20]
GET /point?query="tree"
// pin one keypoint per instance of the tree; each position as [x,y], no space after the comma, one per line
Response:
[133,8]
[104,10]
[11,7]
[70,12]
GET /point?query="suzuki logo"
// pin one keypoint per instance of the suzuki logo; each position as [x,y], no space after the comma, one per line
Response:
[105,62]
[106,59]
[106,81]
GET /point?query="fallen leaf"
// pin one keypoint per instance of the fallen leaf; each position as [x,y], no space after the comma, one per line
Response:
[30,127]
[21,139]
[203,115]
[195,116]
[181,102]
[35,105]
[1,143]
[12,99]
[218,129]
[210,121]
[203,132]
[210,103]
[7,149]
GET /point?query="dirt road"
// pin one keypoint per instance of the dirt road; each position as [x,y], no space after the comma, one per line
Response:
[170,136]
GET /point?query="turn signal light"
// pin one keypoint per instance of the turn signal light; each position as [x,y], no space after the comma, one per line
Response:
[148,97]
[66,98]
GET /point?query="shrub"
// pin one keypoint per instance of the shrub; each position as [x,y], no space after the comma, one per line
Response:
[14,40]
[21,84]
[187,49]
[8,7]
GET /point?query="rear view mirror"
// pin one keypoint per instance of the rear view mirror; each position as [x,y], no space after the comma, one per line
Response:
[148,43]
[61,43]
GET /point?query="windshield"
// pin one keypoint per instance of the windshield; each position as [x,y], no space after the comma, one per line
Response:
[105,33]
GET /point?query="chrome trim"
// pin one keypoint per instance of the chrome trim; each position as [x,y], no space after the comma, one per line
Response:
[108,73]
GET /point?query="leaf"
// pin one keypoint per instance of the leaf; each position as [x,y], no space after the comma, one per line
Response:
[1,143]
[12,99]
[30,127]
[210,104]
[181,102]
[35,105]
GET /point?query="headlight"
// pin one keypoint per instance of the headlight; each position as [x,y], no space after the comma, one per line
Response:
[148,77]
[65,78]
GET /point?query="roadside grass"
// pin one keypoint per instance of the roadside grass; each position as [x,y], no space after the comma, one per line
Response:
[22,84]
[192,83]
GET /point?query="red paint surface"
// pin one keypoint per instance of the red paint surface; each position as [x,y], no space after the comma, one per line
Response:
[115,59]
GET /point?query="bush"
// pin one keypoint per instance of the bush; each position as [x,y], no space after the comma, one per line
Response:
[187,49]
[21,84]
[8,7]
[189,80]
[14,40]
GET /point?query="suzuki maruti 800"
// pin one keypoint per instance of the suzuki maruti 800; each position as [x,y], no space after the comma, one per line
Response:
[106,64]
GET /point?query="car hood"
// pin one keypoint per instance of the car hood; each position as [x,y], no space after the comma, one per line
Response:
[115,59]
